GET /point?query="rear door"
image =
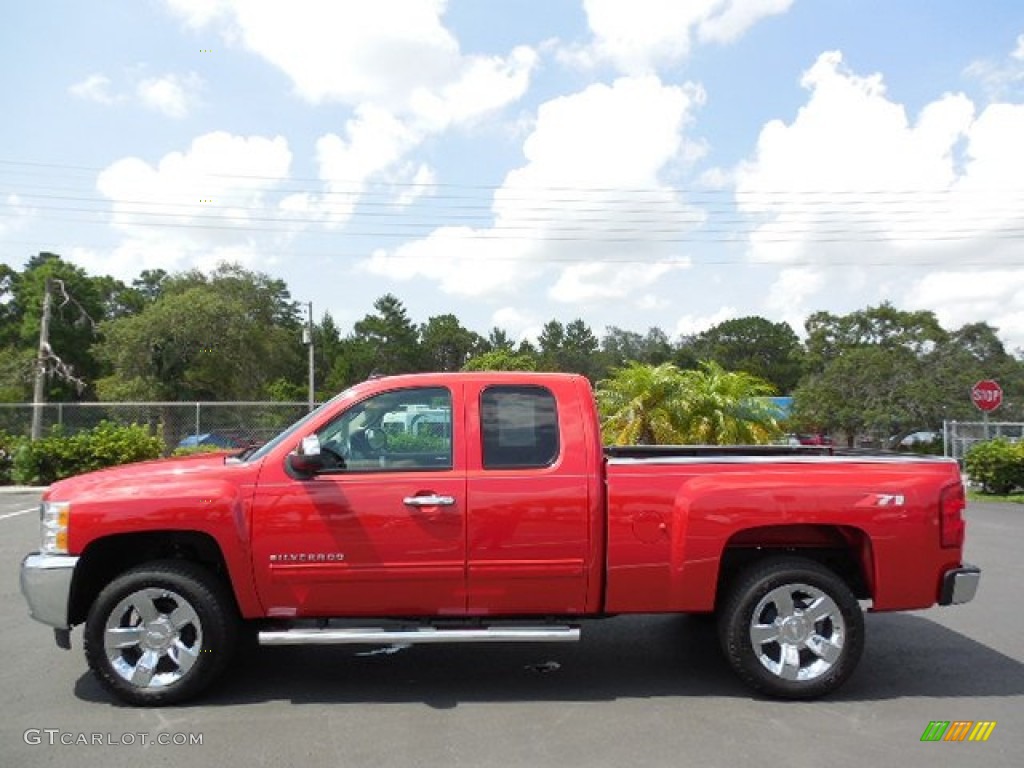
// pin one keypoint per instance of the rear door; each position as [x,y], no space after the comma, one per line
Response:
[530,501]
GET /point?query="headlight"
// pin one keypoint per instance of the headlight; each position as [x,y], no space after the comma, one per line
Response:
[54,519]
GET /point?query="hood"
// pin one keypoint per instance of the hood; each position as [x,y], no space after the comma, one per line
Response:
[146,474]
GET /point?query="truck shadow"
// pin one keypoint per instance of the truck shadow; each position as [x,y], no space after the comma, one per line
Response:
[626,657]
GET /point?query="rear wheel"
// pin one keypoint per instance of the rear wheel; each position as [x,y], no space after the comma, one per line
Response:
[791,628]
[160,633]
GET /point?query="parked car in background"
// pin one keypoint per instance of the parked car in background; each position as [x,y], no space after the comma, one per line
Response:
[208,440]
[808,439]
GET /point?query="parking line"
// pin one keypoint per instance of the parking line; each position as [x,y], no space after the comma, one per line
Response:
[19,513]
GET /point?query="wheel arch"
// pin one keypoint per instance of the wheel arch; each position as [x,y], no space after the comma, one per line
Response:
[103,560]
[845,550]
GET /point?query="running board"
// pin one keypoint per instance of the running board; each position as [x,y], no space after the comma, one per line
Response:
[379,636]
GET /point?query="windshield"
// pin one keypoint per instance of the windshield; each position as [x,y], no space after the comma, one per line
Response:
[290,431]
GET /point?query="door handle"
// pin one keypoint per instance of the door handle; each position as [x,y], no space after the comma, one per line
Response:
[433,500]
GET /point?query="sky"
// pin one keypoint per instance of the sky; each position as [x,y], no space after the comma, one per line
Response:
[633,163]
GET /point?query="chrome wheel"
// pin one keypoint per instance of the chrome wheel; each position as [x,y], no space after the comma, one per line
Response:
[161,632]
[152,638]
[791,627]
[797,632]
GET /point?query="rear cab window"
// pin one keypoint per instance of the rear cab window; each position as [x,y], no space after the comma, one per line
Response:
[519,427]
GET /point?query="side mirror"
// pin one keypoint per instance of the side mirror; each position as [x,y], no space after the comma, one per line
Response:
[306,459]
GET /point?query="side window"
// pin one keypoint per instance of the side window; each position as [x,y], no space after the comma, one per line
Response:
[408,429]
[520,427]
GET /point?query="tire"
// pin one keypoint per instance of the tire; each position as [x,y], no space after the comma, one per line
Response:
[791,628]
[160,633]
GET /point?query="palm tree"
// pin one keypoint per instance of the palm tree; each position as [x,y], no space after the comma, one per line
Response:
[641,404]
[727,407]
[661,405]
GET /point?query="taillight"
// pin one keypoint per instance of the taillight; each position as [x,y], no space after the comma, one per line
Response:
[951,517]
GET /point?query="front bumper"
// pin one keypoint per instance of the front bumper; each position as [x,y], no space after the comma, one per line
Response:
[46,585]
[959,585]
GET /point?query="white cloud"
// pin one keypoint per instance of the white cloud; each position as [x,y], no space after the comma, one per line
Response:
[461,260]
[517,323]
[374,141]
[484,85]
[853,169]
[1001,78]
[171,95]
[393,61]
[582,283]
[394,54]
[95,87]
[588,197]
[641,35]
[854,184]
[422,182]
[788,295]
[15,215]
[964,296]
[379,52]
[197,207]
[690,325]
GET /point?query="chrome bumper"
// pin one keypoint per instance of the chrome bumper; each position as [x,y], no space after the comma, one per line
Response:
[46,585]
[960,585]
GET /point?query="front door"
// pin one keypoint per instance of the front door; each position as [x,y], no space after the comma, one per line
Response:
[383,533]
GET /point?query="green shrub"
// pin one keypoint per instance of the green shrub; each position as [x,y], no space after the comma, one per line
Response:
[997,464]
[192,450]
[58,455]
[8,445]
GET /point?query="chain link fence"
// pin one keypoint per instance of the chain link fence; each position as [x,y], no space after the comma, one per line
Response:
[183,425]
[959,436]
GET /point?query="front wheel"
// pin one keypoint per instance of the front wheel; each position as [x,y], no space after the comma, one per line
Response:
[160,633]
[791,628]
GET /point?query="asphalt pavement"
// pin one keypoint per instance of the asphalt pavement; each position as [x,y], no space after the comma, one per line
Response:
[637,691]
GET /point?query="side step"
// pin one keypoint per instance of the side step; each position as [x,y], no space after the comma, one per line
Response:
[381,636]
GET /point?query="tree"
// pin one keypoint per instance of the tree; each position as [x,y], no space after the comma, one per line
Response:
[579,352]
[550,341]
[829,336]
[885,373]
[391,336]
[620,347]
[150,284]
[641,405]
[327,349]
[572,348]
[862,391]
[497,339]
[501,360]
[656,405]
[77,307]
[446,344]
[226,337]
[768,350]
[721,407]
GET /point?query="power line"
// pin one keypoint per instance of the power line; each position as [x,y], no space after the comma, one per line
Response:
[677,261]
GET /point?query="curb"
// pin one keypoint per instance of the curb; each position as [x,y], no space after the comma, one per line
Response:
[22,488]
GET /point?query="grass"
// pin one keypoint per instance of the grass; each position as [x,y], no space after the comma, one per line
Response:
[1010,498]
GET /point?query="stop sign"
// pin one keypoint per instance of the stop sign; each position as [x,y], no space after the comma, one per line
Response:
[987,395]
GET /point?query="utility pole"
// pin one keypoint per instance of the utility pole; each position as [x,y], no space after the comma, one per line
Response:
[309,343]
[38,391]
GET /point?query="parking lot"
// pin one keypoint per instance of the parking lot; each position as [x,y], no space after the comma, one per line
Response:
[646,691]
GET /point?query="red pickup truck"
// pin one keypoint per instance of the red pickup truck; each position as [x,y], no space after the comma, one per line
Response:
[482,507]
